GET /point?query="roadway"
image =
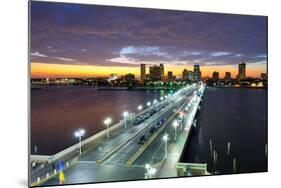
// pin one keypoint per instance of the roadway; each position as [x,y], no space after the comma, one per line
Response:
[114,168]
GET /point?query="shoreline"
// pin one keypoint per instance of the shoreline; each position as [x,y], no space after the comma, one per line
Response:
[40,87]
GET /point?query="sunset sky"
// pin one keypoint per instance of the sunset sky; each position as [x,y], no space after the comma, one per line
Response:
[73,40]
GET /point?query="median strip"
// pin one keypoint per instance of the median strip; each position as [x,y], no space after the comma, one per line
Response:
[150,140]
[115,149]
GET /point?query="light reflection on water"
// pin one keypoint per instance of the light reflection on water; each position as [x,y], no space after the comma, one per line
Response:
[57,111]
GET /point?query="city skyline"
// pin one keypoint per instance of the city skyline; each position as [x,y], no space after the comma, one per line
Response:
[72,40]
[233,72]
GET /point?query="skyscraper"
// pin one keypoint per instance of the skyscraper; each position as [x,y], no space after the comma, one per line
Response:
[155,73]
[162,71]
[227,76]
[142,67]
[170,76]
[216,76]
[241,71]
[185,75]
[197,73]
[190,75]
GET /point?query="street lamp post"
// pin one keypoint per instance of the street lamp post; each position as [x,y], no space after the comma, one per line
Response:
[78,134]
[182,119]
[150,170]
[175,124]
[148,104]
[165,138]
[125,115]
[154,102]
[107,121]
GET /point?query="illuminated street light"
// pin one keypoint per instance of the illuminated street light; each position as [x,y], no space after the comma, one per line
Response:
[165,138]
[107,121]
[150,170]
[125,115]
[147,166]
[176,124]
[155,101]
[161,98]
[78,134]
[148,103]
[140,107]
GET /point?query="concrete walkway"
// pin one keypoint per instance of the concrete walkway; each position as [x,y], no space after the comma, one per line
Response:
[168,168]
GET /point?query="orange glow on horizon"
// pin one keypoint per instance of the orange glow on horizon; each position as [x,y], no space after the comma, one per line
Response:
[64,70]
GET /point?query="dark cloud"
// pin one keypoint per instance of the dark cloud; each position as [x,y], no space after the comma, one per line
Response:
[98,35]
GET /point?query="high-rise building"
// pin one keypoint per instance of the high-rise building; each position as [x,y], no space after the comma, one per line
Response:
[162,71]
[155,73]
[227,76]
[170,76]
[196,73]
[185,75]
[216,76]
[142,67]
[190,75]
[241,71]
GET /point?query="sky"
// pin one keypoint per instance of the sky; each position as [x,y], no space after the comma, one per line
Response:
[76,40]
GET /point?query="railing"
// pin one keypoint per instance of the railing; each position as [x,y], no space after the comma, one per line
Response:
[186,169]
[195,168]
[87,141]
[192,166]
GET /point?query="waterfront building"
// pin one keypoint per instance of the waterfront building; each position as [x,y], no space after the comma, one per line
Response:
[241,71]
[196,73]
[185,75]
[216,76]
[170,76]
[156,72]
[227,76]
[162,71]
[190,75]
[143,72]
[129,77]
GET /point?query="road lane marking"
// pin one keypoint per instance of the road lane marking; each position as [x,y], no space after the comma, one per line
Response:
[115,149]
[150,140]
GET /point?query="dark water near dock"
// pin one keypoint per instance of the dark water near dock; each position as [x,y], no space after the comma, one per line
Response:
[56,112]
[238,116]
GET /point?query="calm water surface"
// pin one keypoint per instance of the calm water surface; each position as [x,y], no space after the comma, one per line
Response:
[231,115]
[56,112]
